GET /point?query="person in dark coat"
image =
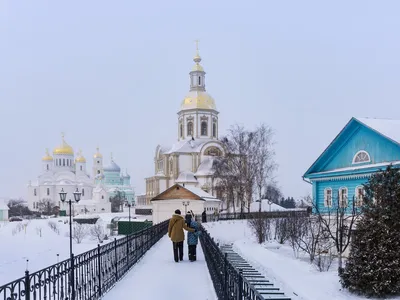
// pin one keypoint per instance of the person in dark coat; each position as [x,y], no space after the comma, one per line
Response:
[193,240]
[204,217]
[175,232]
[188,218]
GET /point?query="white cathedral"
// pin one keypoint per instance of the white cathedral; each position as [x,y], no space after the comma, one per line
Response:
[189,161]
[65,171]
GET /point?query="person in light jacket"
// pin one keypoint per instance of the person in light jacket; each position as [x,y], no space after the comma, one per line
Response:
[193,240]
[176,234]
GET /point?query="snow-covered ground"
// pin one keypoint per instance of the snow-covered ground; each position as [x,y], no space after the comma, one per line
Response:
[39,244]
[158,276]
[297,278]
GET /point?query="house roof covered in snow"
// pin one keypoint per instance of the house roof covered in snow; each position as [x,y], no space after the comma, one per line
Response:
[179,192]
[266,205]
[388,127]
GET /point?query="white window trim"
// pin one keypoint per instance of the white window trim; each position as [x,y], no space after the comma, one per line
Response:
[343,202]
[327,203]
[361,162]
[358,200]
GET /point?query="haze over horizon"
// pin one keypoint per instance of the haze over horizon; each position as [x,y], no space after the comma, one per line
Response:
[113,75]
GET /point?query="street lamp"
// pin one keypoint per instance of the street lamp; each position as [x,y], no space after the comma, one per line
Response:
[129,205]
[77,197]
[185,203]
[270,203]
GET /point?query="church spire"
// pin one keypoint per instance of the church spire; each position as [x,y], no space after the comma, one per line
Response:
[197,75]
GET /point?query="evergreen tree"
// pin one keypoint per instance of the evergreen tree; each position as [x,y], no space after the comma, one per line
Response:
[373,266]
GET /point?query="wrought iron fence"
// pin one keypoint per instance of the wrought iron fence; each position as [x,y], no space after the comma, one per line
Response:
[95,271]
[229,283]
[247,215]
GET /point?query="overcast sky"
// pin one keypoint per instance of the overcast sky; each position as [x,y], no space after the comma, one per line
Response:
[113,74]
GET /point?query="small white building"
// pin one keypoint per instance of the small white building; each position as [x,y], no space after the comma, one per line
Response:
[184,198]
[266,206]
[3,211]
[99,204]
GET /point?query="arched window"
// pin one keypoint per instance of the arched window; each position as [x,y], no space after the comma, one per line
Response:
[102,196]
[199,80]
[189,128]
[171,166]
[98,171]
[63,162]
[181,130]
[81,168]
[83,192]
[343,192]
[328,197]
[48,192]
[359,195]
[34,192]
[361,157]
[203,128]
[214,130]
[47,166]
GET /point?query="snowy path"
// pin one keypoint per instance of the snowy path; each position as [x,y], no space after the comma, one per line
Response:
[158,276]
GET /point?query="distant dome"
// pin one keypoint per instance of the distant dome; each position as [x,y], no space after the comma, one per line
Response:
[64,148]
[112,167]
[185,177]
[80,158]
[47,156]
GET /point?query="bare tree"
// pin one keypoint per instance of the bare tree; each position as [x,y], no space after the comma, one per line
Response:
[261,227]
[79,232]
[97,232]
[295,232]
[117,201]
[246,165]
[46,206]
[272,193]
[338,219]
[281,230]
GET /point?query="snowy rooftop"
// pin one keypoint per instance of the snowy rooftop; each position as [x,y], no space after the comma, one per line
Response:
[202,194]
[187,146]
[255,206]
[186,176]
[206,167]
[388,127]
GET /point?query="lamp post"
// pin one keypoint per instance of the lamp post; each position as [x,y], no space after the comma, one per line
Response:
[129,206]
[270,203]
[185,204]
[77,197]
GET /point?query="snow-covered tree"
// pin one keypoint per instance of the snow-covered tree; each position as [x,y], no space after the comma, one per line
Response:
[373,266]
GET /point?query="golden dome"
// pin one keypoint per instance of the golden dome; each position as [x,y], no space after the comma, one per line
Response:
[64,148]
[47,157]
[198,100]
[197,67]
[80,158]
[98,154]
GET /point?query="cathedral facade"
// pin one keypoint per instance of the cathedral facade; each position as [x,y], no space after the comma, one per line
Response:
[189,161]
[64,170]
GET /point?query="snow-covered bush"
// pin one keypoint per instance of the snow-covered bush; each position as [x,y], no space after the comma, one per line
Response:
[79,232]
[54,226]
[97,232]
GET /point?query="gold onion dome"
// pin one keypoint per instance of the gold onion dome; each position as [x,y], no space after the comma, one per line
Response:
[64,148]
[98,154]
[80,158]
[47,157]
[198,99]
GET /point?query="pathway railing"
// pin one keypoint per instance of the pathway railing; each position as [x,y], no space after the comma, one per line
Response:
[251,215]
[95,271]
[229,283]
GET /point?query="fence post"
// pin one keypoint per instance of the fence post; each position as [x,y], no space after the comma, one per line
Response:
[27,286]
[127,252]
[99,267]
[116,259]
[240,284]
[72,279]
[226,282]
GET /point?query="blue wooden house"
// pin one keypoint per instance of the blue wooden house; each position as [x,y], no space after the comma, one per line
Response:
[364,146]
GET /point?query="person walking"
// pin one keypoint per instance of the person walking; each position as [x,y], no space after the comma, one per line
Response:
[204,217]
[176,234]
[193,239]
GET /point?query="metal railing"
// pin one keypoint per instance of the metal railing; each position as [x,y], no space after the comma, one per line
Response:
[229,283]
[95,271]
[247,215]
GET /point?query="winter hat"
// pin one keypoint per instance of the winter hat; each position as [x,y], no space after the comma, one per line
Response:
[178,212]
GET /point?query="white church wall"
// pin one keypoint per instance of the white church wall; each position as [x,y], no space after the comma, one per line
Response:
[185,162]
